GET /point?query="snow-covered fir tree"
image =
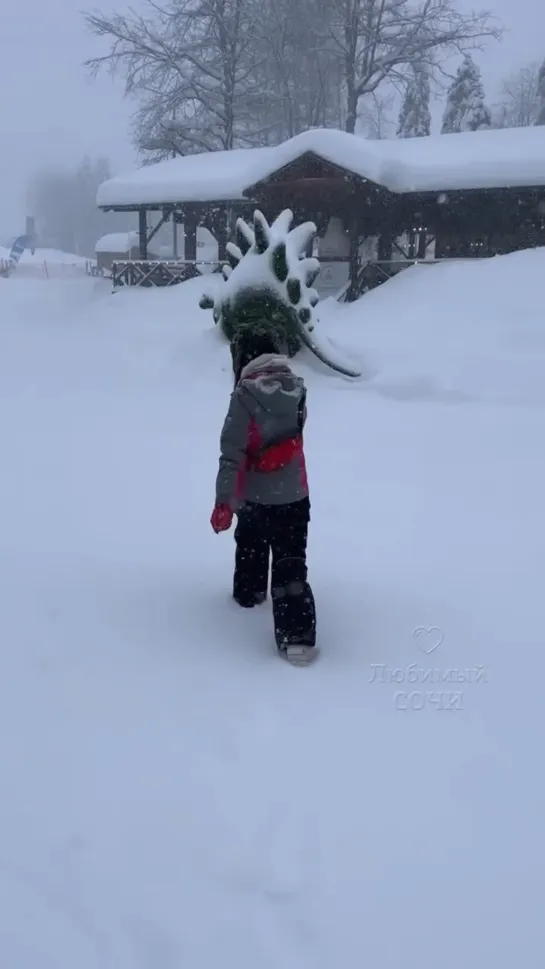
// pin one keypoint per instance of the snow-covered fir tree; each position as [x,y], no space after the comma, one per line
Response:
[465,109]
[414,117]
[540,119]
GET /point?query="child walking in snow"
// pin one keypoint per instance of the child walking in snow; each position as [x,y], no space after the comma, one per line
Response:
[262,478]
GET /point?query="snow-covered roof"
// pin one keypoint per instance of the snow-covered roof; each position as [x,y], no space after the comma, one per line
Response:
[498,158]
[117,242]
[210,176]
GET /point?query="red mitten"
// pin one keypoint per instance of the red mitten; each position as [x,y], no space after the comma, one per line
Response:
[221,518]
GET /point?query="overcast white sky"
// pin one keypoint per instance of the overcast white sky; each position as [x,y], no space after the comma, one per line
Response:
[51,112]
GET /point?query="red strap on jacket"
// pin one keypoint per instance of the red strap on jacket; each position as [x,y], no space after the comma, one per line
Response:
[276,456]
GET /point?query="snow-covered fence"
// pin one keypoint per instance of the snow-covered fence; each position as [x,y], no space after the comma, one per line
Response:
[147,272]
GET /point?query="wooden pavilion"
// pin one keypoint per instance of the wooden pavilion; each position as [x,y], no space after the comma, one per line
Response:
[462,195]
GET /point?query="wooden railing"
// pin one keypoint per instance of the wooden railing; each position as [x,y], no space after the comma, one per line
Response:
[147,272]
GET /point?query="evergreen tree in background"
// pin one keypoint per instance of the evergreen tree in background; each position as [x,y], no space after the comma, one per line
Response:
[415,117]
[64,205]
[541,94]
[465,109]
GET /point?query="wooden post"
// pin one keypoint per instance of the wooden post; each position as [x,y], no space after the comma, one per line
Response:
[232,216]
[422,244]
[215,220]
[439,251]
[190,234]
[353,260]
[174,236]
[142,233]
[385,246]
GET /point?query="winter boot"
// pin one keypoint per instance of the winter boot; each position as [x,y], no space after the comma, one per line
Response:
[251,600]
[299,655]
[294,614]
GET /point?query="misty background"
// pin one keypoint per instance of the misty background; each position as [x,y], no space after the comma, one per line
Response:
[63,130]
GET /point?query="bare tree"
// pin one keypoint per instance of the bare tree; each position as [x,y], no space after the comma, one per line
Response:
[519,102]
[540,119]
[300,75]
[374,119]
[209,74]
[189,64]
[378,40]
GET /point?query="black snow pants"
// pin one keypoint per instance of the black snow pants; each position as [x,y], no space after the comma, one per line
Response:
[281,530]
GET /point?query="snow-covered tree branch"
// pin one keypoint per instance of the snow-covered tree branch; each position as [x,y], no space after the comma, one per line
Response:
[209,74]
[540,119]
[415,117]
[519,100]
[465,109]
[380,40]
[190,65]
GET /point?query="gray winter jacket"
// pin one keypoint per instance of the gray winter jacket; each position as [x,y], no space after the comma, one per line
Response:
[261,445]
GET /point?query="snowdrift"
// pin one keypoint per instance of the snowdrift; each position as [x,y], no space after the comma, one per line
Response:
[452,332]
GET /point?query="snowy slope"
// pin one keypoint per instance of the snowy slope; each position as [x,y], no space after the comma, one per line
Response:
[172,794]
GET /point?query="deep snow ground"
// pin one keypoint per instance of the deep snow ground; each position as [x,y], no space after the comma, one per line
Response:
[172,794]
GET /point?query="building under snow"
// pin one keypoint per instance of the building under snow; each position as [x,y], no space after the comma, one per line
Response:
[457,195]
[116,245]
